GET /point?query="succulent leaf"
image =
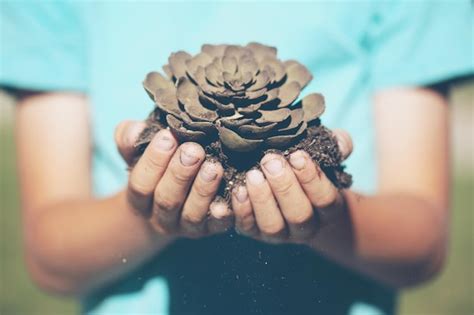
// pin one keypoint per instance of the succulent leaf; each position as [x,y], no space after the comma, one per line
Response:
[243,92]
[177,63]
[297,72]
[181,132]
[271,116]
[313,106]
[154,81]
[288,93]
[235,142]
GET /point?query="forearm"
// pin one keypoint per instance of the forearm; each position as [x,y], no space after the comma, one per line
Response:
[397,239]
[75,246]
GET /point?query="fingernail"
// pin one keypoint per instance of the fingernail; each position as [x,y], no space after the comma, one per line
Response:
[219,210]
[188,156]
[165,142]
[241,194]
[255,177]
[208,172]
[274,166]
[297,160]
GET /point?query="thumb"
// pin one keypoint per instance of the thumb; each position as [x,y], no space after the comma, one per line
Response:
[126,135]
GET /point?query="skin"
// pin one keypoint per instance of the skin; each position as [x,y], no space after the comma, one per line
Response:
[397,236]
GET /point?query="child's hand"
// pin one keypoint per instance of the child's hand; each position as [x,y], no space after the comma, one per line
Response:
[277,205]
[171,185]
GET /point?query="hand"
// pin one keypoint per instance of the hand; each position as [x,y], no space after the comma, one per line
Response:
[172,186]
[278,204]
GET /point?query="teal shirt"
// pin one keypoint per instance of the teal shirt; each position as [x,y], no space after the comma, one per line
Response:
[105,48]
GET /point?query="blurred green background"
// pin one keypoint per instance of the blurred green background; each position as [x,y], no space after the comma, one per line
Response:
[450,294]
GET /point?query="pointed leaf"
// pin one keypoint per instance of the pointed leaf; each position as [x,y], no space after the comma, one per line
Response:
[275,66]
[234,123]
[181,132]
[168,72]
[313,106]
[249,109]
[284,141]
[261,51]
[297,72]
[198,112]
[155,81]
[261,80]
[271,116]
[272,99]
[235,142]
[288,93]
[235,51]
[201,59]
[177,63]
[212,103]
[165,100]
[253,131]
[187,92]
[204,126]
[188,96]
[229,64]
[297,118]
[213,50]
[247,63]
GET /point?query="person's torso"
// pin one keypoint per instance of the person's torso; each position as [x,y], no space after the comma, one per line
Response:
[229,274]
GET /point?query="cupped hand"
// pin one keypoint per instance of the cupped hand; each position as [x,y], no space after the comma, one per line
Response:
[172,186]
[278,204]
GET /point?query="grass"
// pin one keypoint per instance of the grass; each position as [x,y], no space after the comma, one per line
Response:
[450,294]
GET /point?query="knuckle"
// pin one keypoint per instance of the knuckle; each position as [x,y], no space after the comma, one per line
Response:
[165,204]
[247,225]
[308,177]
[328,198]
[203,191]
[157,227]
[153,160]
[243,213]
[301,218]
[137,189]
[275,230]
[180,176]
[260,197]
[190,219]
[283,188]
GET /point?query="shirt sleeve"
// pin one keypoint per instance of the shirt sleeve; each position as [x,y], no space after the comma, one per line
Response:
[421,42]
[43,46]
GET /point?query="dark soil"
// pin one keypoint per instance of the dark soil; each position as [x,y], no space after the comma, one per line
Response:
[318,141]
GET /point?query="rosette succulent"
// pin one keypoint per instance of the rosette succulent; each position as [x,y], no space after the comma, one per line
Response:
[239,102]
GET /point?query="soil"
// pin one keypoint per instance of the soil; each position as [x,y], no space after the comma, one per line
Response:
[317,141]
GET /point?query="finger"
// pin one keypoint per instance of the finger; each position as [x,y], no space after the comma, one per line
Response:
[220,217]
[196,206]
[149,169]
[245,223]
[344,142]
[319,189]
[126,135]
[292,200]
[172,189]
[269,219]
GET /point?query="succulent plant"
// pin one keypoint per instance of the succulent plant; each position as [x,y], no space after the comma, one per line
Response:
[240,99]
